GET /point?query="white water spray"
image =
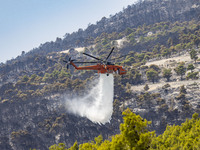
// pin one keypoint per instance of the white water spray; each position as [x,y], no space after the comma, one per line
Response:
[98,104]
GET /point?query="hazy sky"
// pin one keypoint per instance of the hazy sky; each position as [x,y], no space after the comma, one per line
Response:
[25,24]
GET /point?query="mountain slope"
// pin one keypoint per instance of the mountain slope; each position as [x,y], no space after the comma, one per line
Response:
[147,12]
[33,85]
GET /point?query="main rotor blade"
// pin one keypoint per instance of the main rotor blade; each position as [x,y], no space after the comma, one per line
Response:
[65,61]
[121,56]
[70,60]
[110,53]
[93,57]
[78,62]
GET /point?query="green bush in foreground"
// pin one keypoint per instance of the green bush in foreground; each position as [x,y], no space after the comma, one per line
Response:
[134,135]
[184,137]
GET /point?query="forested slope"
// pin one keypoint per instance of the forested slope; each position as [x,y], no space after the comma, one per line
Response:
[32,86]
[134,135]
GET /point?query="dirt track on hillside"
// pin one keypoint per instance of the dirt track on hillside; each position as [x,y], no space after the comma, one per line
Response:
[161,84]
[164,63]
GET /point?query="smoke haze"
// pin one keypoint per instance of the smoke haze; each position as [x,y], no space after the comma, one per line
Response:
[97,106]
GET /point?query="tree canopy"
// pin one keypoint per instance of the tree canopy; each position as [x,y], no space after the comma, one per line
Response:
[134,135]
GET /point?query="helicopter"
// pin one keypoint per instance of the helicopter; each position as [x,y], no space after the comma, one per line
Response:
[102,66]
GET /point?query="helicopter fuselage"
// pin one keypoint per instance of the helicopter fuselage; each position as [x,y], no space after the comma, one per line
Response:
[102,68]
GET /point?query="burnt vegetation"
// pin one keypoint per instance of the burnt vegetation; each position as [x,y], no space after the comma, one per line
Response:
[32,85]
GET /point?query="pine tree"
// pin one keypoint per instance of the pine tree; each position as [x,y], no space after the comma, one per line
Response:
[183,89]
[167,73]
[180,70]
[190,67]
[193,55]
[146,87]
[152,75]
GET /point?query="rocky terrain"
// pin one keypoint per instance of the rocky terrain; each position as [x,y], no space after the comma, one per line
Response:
[170,63]
[157,34]
[44,122]
[167,94]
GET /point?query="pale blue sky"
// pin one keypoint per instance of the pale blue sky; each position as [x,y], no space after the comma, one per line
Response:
[25,24]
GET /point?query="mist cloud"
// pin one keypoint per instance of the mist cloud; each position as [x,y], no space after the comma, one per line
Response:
[97,106]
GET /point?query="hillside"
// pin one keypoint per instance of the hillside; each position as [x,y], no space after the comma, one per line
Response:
[159,36]
[168,63]
[164,98]
[145,12]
